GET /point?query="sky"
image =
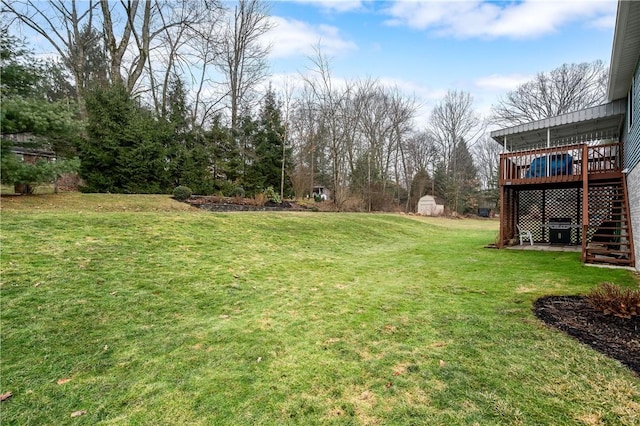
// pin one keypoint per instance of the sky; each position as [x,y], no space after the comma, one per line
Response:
[426,48]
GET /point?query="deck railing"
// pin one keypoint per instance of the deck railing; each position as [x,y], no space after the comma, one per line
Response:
[559,164]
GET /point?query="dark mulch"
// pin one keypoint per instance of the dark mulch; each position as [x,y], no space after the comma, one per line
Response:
[236,204]
[618,338]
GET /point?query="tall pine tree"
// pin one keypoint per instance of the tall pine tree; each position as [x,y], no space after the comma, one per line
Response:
[126,146]
[188,153]
[269,150]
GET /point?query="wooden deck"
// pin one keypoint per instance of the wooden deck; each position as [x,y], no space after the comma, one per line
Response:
[561,165]
[581,184]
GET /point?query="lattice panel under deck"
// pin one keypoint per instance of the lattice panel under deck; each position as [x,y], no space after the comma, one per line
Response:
[530,213]
[537,207]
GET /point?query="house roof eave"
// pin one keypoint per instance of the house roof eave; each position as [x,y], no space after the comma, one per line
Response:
[596,121]
[626,49]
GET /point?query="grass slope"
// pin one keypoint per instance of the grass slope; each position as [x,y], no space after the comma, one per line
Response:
[153,313]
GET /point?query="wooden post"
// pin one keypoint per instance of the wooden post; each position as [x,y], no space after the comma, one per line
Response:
[502,217]
[548,154]
[585,200]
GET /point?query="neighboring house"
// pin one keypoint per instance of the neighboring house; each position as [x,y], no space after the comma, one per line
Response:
[28,149]
[322,192]
[575,178]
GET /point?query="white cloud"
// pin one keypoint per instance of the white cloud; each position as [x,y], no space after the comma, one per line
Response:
[502,83]
[334,5]
[290,37]
[604,22]
[423,94]
[476,18]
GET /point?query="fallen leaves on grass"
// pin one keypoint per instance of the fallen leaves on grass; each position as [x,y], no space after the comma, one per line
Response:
[63,381]
[389,329]
[6,396]
[78,413]
[442,363]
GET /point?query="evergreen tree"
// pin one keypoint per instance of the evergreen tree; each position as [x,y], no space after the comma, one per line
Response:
[24,76]
[266,167]
[465,180]
[366,180]
[20,73]
[226,162]
[126,146]
[442,181]
[187,152]
[420,186]
[27,116]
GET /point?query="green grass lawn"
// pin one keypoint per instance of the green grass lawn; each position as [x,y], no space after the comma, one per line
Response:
[150,312]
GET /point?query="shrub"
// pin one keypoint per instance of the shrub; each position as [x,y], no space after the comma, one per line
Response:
[271,195]
[614,300]
[238,191]
[182,193]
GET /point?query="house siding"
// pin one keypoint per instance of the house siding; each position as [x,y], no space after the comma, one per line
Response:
[633,187]
[632,133]
[632,161]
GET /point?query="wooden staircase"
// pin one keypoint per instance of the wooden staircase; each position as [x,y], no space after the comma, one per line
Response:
[608,233]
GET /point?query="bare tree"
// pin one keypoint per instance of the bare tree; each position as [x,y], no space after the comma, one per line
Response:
[383,117]
[62,24]
[487,154]
[453,121]
[206,47]
[402,111]
[305,134]
[287,106]
[243,55]
[375,127]
[187,50]
[128,28]
[568,88]
[333,105]
[418,154]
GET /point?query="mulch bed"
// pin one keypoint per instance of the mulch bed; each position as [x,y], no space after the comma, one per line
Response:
[618,338]
[228,204]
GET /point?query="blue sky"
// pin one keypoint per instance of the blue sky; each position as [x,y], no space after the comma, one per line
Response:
[428,47]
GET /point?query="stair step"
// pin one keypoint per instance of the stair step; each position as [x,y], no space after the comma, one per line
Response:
[605,252]
[612,253]
[608,198]
[609,261]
